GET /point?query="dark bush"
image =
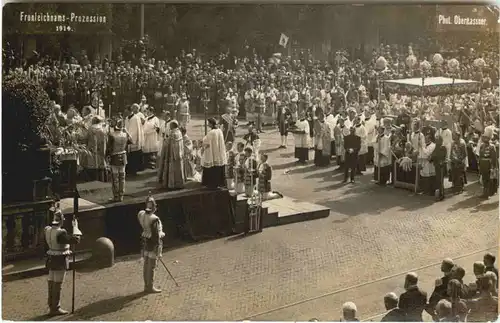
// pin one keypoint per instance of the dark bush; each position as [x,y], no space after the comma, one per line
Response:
[25,115]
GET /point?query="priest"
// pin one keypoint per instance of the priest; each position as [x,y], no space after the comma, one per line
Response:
[171,166]
[134,125]
[301,138]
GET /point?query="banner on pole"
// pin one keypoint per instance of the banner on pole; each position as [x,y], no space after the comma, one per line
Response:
[284,40]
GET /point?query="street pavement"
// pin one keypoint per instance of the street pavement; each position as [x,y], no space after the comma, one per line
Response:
[373,236]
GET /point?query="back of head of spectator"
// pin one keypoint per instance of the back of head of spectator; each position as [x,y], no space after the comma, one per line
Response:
[489,259]
[390,301]
[349,312]
[447,266]
[411,280]
[458,273]
[443,309]
[479,269]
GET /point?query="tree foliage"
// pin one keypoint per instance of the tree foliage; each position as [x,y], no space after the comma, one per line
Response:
[25,113]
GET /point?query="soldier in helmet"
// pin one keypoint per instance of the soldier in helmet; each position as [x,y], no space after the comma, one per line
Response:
[118,141]
[152,243]
[59,242]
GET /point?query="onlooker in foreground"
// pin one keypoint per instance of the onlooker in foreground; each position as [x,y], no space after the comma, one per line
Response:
[485,307]
[489,262]
[444,312]
[413,301]
[394,313]
[349,312]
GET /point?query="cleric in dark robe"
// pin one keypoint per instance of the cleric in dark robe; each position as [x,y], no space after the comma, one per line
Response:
[214,158]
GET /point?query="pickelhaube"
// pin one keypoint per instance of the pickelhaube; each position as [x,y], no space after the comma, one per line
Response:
[57,215]
[150,203]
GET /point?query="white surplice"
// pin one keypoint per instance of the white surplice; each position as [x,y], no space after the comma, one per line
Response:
[302,139]
[151,136]
[214,149]
[134,127]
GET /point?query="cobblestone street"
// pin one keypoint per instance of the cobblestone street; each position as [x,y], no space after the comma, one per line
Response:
[292,272]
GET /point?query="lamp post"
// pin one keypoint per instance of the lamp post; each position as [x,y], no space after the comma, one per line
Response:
[380,66]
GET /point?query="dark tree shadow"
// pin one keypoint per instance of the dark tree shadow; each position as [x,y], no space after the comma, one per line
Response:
[106,306]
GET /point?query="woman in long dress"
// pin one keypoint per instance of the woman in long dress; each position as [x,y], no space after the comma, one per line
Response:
[214,158]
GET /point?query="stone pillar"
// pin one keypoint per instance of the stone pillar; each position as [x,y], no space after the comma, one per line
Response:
[103,253]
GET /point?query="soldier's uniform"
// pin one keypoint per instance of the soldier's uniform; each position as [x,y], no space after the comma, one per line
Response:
[487,162]
[172,100]
[152,243]
[58,241]
[117,151]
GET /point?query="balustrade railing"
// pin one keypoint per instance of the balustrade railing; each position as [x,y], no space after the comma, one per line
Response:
[22,229]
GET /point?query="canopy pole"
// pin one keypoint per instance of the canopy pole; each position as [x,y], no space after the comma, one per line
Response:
[417,171]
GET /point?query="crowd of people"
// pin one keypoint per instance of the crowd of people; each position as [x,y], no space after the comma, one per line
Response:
[452,299]
[341,109]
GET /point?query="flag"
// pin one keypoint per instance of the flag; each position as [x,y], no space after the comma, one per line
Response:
[283,40]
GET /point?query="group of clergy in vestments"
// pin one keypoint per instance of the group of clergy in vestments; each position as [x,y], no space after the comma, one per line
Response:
[160,143]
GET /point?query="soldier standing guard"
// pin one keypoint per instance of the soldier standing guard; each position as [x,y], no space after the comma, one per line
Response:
[59,242]
[118,140]
[152,243]
[487,163]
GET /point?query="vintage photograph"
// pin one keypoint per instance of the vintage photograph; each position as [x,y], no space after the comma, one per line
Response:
[250,162]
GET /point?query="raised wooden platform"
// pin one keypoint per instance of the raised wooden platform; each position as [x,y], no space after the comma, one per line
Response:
[280,211]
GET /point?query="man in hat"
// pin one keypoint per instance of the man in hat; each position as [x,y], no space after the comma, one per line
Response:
[183,111]
[152,243]
[352,145]
[59,242]
[488,161]
[118,142]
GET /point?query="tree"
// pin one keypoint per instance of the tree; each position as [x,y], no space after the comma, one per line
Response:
[26,114]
